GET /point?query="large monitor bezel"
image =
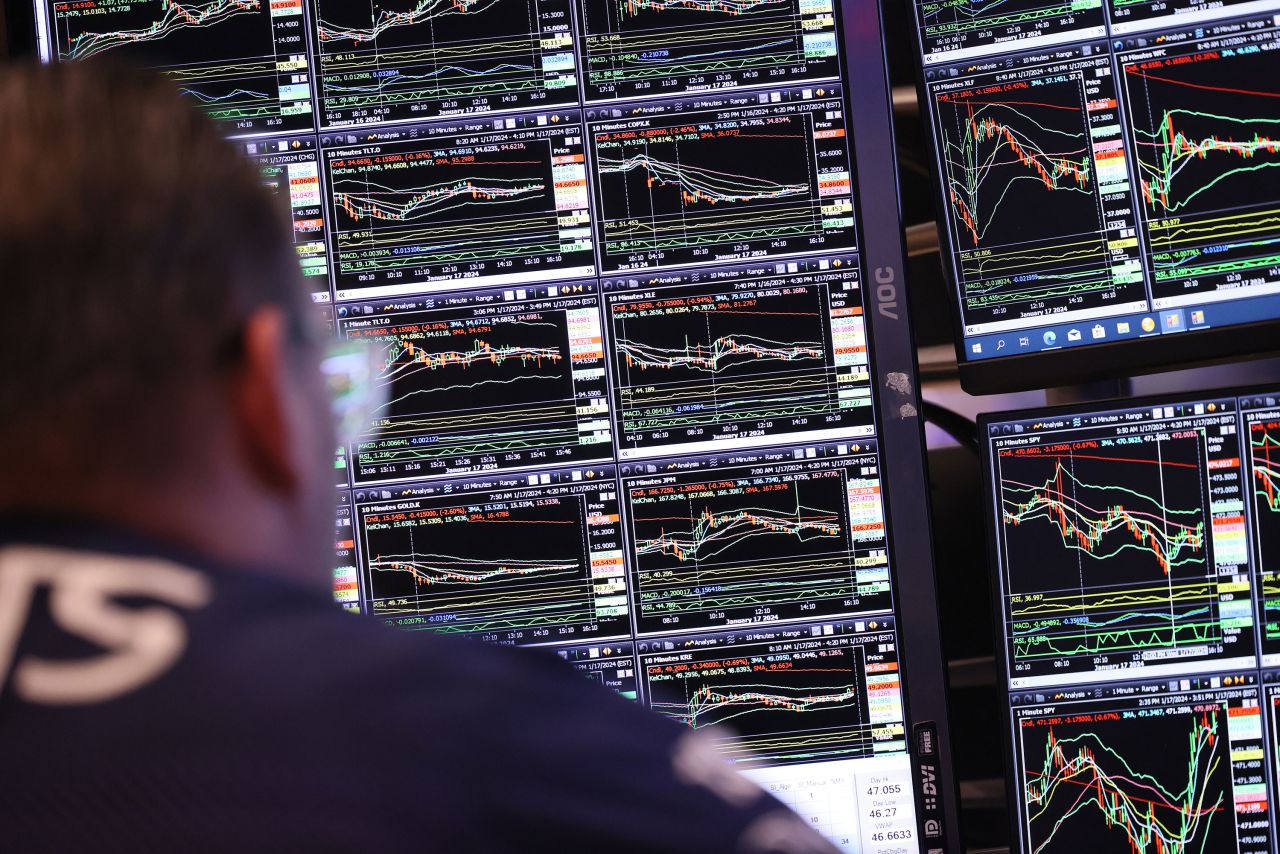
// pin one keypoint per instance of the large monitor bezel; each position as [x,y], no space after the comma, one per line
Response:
[1071,365]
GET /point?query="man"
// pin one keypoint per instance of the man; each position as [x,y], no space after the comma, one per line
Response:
[173,675]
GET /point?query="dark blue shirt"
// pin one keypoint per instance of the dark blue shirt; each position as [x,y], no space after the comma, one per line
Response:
[152,701]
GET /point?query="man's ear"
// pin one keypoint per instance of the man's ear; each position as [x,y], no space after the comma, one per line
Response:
[258,396]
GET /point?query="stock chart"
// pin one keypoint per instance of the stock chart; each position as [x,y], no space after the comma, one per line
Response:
[411,214]
[1264,485]
[415,59]
[681,186]
[957,28]
[756,544]
[485,384]
[1157,775]
[1207,135]
[833,697]
[1109,551]
[243,61]
[639,48]
[507,564]
[1032,162]
[743,359]
[291,169]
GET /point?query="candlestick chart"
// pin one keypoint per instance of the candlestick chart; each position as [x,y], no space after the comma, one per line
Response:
[226,55]
[1206,129]
[1109,781]
[648,47]
[515,569]
[435,57]
[698,365]
[1107,552]
[774,708]
[418,212]
[953,25]
[1022,193]
[1264,464]
[712,552]
[703,189]
[464,390]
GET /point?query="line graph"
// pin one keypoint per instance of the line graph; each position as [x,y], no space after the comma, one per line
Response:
[716,552]
[466,390]
[513,571]
[708,363]
[720,185]
[1208,165]
[1023,193]
[172,16]
[777,704]
[419,211]
[716,355]
[441,57]
[1108,554]
[1264,468]
[697,185]
[1174,537]
[229,56]
[639,48]
[948,26]
[381,202]
[1106,781]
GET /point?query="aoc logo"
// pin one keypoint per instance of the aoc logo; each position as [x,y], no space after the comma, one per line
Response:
[887,292]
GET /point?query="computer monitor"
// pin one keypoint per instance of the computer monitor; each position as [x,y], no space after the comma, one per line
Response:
[1134,546]
[651,396]
[1108,182]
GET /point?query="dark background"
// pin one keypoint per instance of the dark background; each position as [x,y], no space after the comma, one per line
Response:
[978,714]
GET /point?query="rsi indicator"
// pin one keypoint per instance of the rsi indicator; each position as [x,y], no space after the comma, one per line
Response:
[953,29]
[244,62]
[485,384]
[722,180]
[441,57]
[644,48]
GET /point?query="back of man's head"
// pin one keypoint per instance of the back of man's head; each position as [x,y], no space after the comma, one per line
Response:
[147,272]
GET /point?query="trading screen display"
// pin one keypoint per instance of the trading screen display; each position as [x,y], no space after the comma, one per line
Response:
[605,255]
[1140,616]
[1108,170]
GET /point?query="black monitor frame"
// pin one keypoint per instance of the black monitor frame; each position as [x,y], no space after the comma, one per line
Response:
[901,427]
[1075,365]
[1013,792]
[897,404]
